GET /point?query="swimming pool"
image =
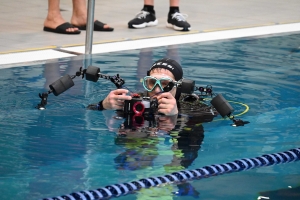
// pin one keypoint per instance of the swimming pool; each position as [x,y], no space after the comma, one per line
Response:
[67,148]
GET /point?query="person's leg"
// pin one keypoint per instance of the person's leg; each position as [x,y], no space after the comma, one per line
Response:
[54,17]
[79,15]
[149,6]
[176,20]
[174,3]
[149,2]
[174,6]
[146,17]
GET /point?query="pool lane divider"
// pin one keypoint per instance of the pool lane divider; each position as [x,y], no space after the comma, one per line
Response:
[116,190]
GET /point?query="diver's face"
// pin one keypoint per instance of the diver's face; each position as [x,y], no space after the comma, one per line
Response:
[160,73]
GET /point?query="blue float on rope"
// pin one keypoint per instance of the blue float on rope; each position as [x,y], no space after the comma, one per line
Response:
[204,172]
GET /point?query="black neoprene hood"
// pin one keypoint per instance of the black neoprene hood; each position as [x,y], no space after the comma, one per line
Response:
[168,64]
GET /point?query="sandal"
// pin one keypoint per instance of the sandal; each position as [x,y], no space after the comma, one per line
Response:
[98,26]
[62,29]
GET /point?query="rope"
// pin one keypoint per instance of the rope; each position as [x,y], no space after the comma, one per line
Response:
[204,172]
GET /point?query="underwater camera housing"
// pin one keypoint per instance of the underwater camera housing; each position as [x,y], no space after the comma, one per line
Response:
[140,106]
[139,112]
[139,121]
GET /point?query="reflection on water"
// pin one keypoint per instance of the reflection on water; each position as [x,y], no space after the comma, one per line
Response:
[67,148]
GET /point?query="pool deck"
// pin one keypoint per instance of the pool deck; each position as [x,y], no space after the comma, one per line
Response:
[22,21]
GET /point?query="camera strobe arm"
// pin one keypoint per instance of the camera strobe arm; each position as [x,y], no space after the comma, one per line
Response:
[57,87]
[93,74]
[66,82]
[218,101]
[226,110]
[188,87]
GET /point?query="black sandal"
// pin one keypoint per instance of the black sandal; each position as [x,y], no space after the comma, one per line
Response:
[62,29]
[98,26]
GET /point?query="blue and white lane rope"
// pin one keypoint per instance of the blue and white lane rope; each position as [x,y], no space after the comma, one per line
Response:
[204,172]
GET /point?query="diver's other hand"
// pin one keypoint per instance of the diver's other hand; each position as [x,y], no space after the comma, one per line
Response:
[167,104]
[115,99]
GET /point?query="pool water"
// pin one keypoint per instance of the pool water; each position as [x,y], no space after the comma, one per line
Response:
[67,148]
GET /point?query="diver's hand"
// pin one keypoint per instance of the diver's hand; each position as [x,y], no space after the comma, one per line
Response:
[167,104]
[115,99]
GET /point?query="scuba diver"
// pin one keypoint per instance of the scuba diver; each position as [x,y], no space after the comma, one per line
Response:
[173,114]
[161,88]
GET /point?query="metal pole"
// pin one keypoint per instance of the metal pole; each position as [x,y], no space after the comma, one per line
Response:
[89,27]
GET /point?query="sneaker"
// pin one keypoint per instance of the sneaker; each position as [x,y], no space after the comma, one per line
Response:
[142,20]
[177,21]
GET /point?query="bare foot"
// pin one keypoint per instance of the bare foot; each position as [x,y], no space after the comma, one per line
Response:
[54,21]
